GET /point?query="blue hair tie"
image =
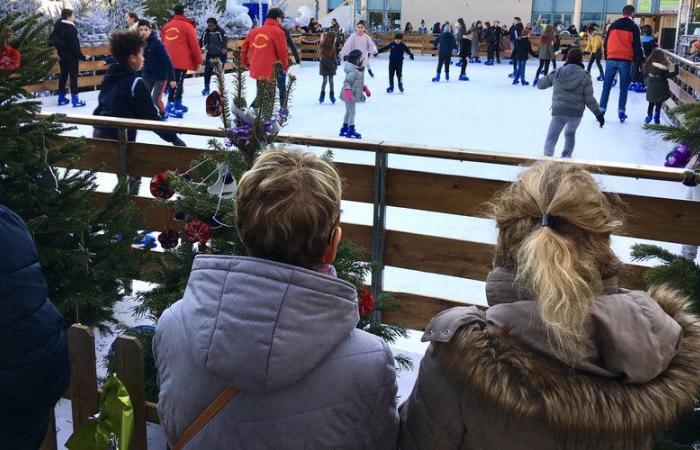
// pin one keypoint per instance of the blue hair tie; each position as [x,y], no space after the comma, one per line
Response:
[549,220]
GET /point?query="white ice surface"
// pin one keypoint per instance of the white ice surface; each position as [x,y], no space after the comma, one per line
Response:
[486,113]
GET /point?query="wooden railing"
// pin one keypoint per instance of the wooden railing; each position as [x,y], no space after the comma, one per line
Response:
[647,217]
[685,88]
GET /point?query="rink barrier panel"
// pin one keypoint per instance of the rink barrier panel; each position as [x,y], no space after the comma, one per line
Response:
[685,88]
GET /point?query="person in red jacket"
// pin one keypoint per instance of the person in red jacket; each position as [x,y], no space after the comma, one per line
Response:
[181,42]
[623,46]
[262,51]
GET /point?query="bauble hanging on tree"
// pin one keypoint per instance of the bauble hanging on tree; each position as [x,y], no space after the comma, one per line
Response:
[198,231]
[214,104]
[10,58]
[365,303]
[169,239]
[160,188]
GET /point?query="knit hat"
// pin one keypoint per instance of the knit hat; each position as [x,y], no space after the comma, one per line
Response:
[354,57]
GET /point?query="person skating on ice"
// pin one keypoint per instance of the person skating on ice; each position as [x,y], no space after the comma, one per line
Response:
[521,52]
[360,40]
[354,91]
[595,48]
[215,43]
[656,70]
[397,49]
[157,67]
[545,52]
[491,43]
[327,67]
[465,52]
[477,36]
[65,39]
[446,45]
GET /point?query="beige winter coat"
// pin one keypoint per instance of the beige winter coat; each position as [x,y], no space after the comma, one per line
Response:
[491,381]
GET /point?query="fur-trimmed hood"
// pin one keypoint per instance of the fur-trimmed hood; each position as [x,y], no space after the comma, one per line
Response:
[595,405]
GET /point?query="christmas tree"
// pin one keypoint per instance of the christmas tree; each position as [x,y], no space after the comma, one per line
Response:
[84,250]
[117,9]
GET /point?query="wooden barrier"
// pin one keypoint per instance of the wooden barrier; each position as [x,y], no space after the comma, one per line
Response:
[685,88]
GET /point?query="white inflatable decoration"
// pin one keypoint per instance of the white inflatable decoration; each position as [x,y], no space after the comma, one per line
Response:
[241,19]
[304,17]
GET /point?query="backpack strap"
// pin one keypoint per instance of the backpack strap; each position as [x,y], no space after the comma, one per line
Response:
[204,418]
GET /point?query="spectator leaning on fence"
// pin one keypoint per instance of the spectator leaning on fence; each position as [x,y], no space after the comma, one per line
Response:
[123,92]
[563,358]
[64,38]
[34,372]
[276,329]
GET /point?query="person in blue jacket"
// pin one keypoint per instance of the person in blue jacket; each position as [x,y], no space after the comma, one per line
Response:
[215,41]
[157,66]
[446,45]
[34,368]
[396,51]
[124,93]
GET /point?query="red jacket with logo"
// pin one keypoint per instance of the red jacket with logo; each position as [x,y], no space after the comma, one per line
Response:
[263,48]
[623,42]
[181,42]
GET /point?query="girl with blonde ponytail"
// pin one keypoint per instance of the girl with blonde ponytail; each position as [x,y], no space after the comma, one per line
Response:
[563,358]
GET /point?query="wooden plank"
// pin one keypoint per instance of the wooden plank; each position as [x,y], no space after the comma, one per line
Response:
[97,50]
[415,311]
[83,374]
[128,355]
[52,85]
[49,442]
[690,79]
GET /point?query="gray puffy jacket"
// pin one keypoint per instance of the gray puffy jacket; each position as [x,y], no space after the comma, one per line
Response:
[573,91]
[355,81]
[286,338]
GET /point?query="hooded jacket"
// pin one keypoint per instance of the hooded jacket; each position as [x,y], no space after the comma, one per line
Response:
[363,43]
[263,48]
[215,42]
[573,91]
[34,370]
[491,381]
[180,39]
[546,48]
[657,76]
[64,38]
[446,43]
[595,43]
[355,81]
[623,41]
[522,49]
[286,338]
[156,61]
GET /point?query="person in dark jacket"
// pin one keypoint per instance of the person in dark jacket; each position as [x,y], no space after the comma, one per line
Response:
[215,42]
[35,370]
[622,47]
[521,52]
[516,33]
[446,45]
[397,49]
[281,74]
[327,67]
[491,42]
[124,93]
[657,76]
[498,31]
[436,34]
[465,50]
[157,67]
[65,39]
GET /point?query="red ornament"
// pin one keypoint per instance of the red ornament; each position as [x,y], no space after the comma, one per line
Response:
[160,187]
[169,238]
[214,104]
[365,303]
[10,58]
[198,231]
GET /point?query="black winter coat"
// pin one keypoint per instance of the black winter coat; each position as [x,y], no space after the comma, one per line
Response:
[657,77]
[34,368]
[490,35]
[396,52]
[522,49]
[446,43]
[156,61]
[516,32]
[214,41]
[65,38]
[124,94]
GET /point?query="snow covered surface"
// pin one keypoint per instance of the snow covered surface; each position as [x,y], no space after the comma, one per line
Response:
[486,113]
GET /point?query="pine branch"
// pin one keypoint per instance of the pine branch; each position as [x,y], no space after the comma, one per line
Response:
[645,252]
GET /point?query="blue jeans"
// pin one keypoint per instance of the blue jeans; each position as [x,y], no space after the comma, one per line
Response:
[282,85]
[520,69]
[611,69]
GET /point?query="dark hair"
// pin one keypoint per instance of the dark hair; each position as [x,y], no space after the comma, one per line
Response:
[212,20]
[628,9]
[657,56]
[361,22]
[487,23]
[66,13]
[144,23]
[398,36]
[133,15]
[275,13]
[461,23]
[574,56]
[123,44]
[518,19]
[179,9]
[328,46]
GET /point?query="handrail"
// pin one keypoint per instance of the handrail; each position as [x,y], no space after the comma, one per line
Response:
[450,153]
[680,58]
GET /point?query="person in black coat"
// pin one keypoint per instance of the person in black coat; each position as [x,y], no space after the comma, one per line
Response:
[491,42]
[157,66]
[446,45]
[521,52]
[498,32]
[396,51]
[35,369]
[64,38]
[215,41]
[124,93]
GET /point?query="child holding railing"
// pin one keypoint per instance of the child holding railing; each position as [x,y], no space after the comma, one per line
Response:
[657,76]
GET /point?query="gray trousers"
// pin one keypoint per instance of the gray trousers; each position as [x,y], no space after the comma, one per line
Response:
[349,113]
[329,80]
[567,123]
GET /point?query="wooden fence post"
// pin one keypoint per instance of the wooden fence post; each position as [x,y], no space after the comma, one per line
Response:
[128,354]
[50,438]
[379,227]
[83,374]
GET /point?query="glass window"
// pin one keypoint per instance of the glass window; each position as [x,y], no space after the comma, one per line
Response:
[593,6]
[543,5]
[375,5]
[564,6]
[615,6]
[332,4]
[393,5]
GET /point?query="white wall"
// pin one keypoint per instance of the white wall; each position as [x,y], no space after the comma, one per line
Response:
[443,10]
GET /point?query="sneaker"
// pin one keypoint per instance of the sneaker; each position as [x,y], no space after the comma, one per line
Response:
[77,103]
[647,120]
[463,78]
[459,63]
[633,87]
[622,116]
[498,61]
[390,89]
[488,63]
[436,78]
[322,97]
[352,134]
[62,100]
[344,130]
[205,91]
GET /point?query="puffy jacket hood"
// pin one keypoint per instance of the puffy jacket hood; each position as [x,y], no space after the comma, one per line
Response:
[571,76]
[263,324]
[350,67]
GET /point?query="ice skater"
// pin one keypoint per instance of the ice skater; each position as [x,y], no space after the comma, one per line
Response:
[545,52]
[595,48]
[477,36]
[215,42]
[573,92]
[327,66]
[397,49]
[446,45]
[465,53]
[521,52]
[354,91]
[657,76]
[360,40]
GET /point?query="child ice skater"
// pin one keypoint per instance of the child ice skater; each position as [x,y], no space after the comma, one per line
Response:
[397,50]
[573,92]
[446,45]
[354,91]
[657,76]
[327,66]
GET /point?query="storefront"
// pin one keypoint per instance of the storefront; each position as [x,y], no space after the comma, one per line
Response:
[565,12]
[662,16]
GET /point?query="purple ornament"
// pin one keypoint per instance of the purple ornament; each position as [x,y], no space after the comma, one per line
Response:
[679,156]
